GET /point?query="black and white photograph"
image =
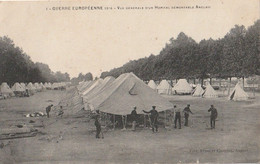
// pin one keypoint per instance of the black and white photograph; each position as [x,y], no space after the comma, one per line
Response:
[129,81]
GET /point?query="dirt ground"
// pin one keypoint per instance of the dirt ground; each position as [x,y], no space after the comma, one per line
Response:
[72,139]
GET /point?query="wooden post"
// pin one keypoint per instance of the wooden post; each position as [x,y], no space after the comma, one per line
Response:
[114,120]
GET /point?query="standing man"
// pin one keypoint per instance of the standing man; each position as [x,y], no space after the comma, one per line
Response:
[134,118]
[98,127]
[186,111]
[213,116]
[177,112]
[48,109]
[154,118]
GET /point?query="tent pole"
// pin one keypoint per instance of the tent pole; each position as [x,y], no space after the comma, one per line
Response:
[114,119]
[144,121]
[106,120]
[165,115]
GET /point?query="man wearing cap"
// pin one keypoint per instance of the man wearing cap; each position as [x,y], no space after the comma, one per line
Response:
[177,112]
[48,109]
[154,118]
[186,111]
[213,116]
[134,118]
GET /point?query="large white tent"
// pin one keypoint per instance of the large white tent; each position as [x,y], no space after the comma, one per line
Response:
[126,92]
[152,84]
[209,92]
[182,87]
[198,91]
[164,87]
[238,94]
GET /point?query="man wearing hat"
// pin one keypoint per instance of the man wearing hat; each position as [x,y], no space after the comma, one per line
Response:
[186,111]
[154,118]
[213,116]
[177,112]
[134,118]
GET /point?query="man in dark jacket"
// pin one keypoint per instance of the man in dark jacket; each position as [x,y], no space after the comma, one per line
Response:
[177,112]
[98,126]
[213,116]
[186,111]
[134,118]
[48,109]
[154,118]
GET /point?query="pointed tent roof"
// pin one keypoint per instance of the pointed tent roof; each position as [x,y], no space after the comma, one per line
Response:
[17,88]
[238,94]
[164,87]
[198,91]
[126,92]
[30,86]
[37,86]
[105,83]
[152,84]
[95,84]
[209,92]
[86,86]
[5,89]
[23,85]
[182,87]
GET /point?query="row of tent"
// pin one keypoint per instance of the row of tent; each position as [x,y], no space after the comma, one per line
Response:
[20,89]
[183,87]
[114,96]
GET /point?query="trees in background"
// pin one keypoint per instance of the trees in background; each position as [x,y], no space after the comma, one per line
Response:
[16,66]
[237,54]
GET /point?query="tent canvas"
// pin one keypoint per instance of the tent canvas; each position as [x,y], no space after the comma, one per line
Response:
[164,87]
[96,83]
[31,87]
[152,84]
[198,91]
[209,92]
[182,87]
[5,89]
[238,94]
[105,83]
[18,88]
[23,85]
[126,92]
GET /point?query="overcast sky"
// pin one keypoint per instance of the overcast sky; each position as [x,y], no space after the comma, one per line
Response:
[96,41]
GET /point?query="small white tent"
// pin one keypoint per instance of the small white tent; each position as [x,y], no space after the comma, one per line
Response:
[18,88]
[198,91]
[152,84]
[164,88]
[182,87]
[31,87]
[5,90]
[209,92]
[238,94]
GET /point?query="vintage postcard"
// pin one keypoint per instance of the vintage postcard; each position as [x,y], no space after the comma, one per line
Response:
[130,81]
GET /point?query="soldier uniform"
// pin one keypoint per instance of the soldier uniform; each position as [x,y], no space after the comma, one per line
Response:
[213,116]
[48,109]
[186,111]
[134,118]
[177,112]
[154,118]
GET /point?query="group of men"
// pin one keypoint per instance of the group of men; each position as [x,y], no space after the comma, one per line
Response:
[177,118]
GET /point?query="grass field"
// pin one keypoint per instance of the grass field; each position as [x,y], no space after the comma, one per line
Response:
[72,140]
